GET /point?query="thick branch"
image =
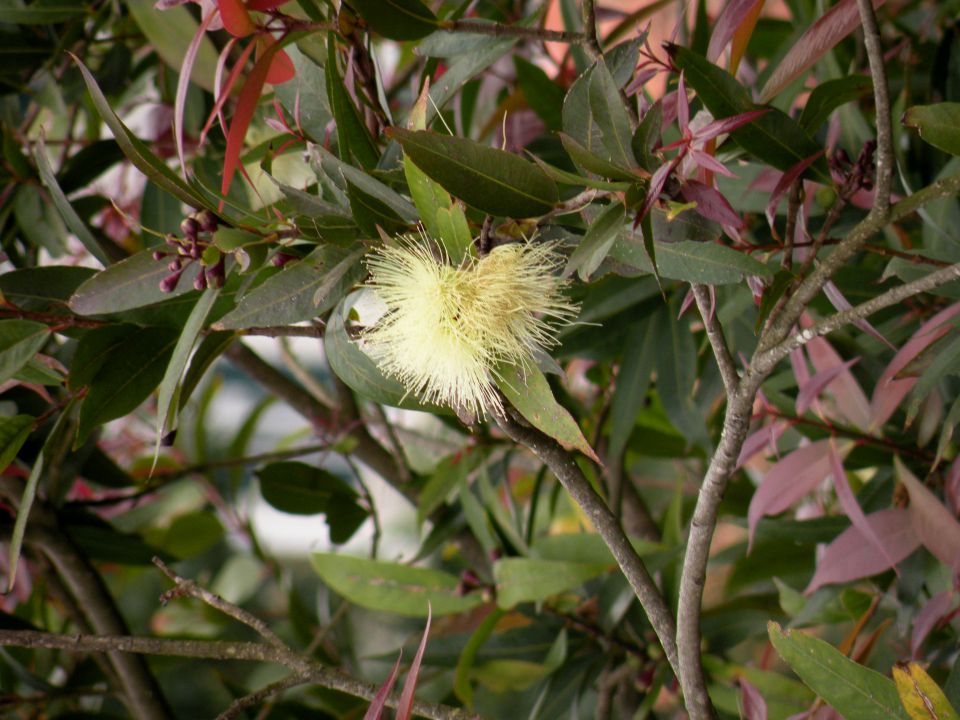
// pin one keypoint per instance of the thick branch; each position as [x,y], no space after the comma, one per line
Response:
[562,465]
[501,30]
[728,369]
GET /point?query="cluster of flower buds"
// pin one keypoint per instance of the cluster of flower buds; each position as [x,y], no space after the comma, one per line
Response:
[854,176]
[197,230]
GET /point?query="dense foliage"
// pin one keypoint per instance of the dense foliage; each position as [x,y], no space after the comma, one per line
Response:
[607,370]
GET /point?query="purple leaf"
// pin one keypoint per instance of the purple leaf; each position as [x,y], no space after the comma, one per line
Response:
[936,526]
[851,402]
[379,701]
[937,607]
[838,301]
[753,706]
[728,124]
[709,162]
[711,204]
[657,182]
[180,100]
[786,180]
[890,389]
[765,437]
[832,27]
[405,706]
[851,556]
[951,486]
[811,389]
[734,13]
[851,508]
[683,107]
[794,476]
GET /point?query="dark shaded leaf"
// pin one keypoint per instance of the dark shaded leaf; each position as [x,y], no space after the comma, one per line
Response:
[542,94]
[937,124]
[397,19]
[491,180]
[301,489]
[828,96]
[20,340]
[352,137]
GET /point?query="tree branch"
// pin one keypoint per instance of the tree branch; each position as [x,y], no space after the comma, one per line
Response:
[502,30]
[247,701]
[562,465]
[718,342]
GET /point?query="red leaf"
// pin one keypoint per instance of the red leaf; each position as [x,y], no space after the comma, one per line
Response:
[839,302]
[265,5]
[936,526]
[765,437]
[832,27]
[794,476]
[246,104]
[786,180]
[732,16]
[751,701]
[405,706]
[851,508]
[811,389]
[937,607]
[890,389]
[379,701]
[183,83]
[727,124]
[281,69]
[851,557]
[851,402]
[711,204]
[236,19]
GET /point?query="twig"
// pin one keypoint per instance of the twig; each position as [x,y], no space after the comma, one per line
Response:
[728,369]
[184,587]
[310,331]
[242,703]
[501,30]
[592,45]
[222,650]
[568,473]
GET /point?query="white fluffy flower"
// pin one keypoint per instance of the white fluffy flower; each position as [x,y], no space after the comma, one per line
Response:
[446,328]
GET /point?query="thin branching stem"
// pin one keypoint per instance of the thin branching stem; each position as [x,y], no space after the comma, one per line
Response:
[718,342]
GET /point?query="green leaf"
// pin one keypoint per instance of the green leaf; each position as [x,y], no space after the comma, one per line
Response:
[585,548]
[305,97]
[633,380]
[300,489]
[543,95]
[529,580]
[128,284]
[352,137]
[397,19]
[828,96]
[210,348]
[14,431]
[465,662]
[529,392]
[301,291]
[126,377]
[774,137]
[611,116]
[464,67]
[491,180]
[370,213]
[597,241]
[921,696]
[335,168]
[591,162]
[578,121]
[69,215]
[937,124]
[358,371]
[855,691]
[43,289]
[169,32]
[93,350]
[20,340]
[647,137]
[446,477]
[41,13]
[393,587]
[101,541]
[699,262]
[137,151]
[677,375]
[455,232]
[191,534]
[168,394]
[569,178]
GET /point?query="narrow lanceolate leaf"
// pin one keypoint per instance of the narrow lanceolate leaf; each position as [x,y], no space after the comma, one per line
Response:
[405,706]
[491,180]
[428,196]
[69,215]
[731,17]
[379,702]
[922,698]
[41,13]
[937,527]
[611,116]
[596,243]
[529,392]
[20,340]
[299,292]
[169,31]
[531,580]
[832,27]
[14,432]
[397,19]
[393,587]
[128,284]
[136,150]
[855,691]
[700,262]
[773,137]
[851,555]
[352,136]
[828,96]
[938,124]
